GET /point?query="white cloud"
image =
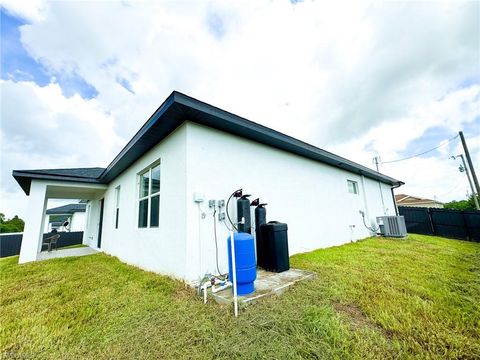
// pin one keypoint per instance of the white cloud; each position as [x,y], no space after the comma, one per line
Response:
[42,129]
[435,174]
[30,10]
[341,76]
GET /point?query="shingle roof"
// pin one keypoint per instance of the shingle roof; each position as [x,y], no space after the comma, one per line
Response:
[178,108]
[93,172]
[409,199]
[174,111]
[88,175]
[67,209]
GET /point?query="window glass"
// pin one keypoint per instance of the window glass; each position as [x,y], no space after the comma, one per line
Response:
[155,179]
[117,205]
[352,187]
[117,196]
[117,213]
[143,213]
[149,197]
[155,210]
[144,184]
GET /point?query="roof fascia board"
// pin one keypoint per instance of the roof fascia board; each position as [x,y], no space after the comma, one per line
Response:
[177,109]
[58,177]
[166,105]
[248,129]
[24,178]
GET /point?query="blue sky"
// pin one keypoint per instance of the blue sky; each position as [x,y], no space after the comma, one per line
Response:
[429,140]
[19,65]
[356,83]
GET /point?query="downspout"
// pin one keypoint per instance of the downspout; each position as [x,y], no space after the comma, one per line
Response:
[381,195]
[393,196]
[365,201]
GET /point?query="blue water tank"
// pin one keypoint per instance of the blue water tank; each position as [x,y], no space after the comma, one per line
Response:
[244,262]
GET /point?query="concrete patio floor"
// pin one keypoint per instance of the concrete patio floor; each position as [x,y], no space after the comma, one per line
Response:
[61,253]
[267,284]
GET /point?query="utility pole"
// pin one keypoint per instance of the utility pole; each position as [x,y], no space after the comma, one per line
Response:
[376,161]
[475,200]
[472,170]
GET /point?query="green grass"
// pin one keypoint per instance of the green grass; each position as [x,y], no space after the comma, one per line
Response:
[374,299]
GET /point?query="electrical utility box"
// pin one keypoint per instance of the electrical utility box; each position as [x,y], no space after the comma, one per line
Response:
[392,226]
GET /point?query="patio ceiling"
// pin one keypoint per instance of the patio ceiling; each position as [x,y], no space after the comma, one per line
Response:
[82,191]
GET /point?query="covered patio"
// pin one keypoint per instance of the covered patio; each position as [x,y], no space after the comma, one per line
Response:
[40,191]
[61,253]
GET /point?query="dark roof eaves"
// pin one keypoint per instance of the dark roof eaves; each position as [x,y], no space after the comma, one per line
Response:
[24,179]
[43,176]
[178,103]
[322,155]
[148,124]
[179,108]
[66,209]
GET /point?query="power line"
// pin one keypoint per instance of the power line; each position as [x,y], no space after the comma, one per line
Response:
[460,183]
[422,153]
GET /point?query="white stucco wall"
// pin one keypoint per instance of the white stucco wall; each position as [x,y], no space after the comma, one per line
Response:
[46,224]
[78,220]
[34,222]
[91,223]
[311,197]
[159,249]
[40,192]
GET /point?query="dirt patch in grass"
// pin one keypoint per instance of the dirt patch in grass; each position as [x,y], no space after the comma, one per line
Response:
[357,319]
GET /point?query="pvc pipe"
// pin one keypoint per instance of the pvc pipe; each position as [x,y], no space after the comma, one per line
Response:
[234,274]
[222,287]
[205,287]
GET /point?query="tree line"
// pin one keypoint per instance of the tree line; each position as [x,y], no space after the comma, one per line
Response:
[467,204]
[12,225]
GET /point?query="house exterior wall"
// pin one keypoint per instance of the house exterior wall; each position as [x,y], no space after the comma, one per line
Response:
[78,220]
[34,222]
[46,225]
[159,249]
[40,192]
[311,197]
[90,233]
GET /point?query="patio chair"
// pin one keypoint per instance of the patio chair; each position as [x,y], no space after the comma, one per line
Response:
[50,241]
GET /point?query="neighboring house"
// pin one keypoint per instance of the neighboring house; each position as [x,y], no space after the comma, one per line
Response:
[73,213]
[142,207]
[413,201]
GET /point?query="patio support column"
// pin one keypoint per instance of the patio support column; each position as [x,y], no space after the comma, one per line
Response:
[34,223]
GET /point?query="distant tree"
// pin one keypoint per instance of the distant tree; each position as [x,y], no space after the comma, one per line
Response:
[467,204]
[14,224]
[457,205]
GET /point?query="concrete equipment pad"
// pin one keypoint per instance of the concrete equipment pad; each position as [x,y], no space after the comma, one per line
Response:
[267,284]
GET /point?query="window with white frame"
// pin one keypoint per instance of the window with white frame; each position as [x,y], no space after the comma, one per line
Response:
[117,205]
[149,197]
[352,187]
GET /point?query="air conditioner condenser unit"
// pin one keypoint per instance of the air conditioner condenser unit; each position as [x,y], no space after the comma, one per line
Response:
[392,226]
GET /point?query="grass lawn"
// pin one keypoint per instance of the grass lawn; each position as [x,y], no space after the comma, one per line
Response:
[377,298]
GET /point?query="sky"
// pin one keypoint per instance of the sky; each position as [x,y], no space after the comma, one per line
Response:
[360,79]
